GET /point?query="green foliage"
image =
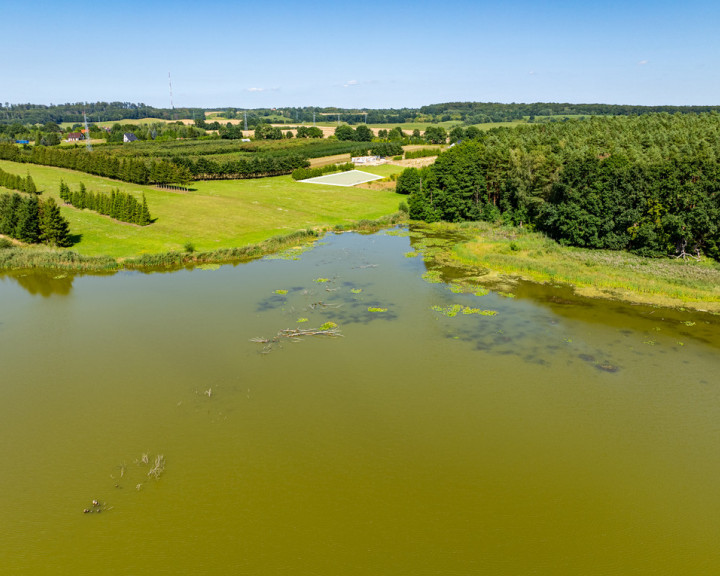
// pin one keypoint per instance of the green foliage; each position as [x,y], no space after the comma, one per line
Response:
[268,132]
[309,132]
[118,205]
[54,229]
[649,184]
[29,220]
[345,133]
[408,182]
[435,135]
[422,153]
[305,173]
[16,182]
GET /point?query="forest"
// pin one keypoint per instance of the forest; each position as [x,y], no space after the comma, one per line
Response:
[466,112]
[649,184]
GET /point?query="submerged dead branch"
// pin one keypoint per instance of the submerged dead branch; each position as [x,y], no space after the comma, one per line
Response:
[159,466]
[295,334]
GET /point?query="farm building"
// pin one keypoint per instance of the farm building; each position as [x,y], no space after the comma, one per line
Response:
[74,137]
[129,137]
[368,160]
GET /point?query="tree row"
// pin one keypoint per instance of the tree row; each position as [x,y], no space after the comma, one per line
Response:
[17,182]
[118,205]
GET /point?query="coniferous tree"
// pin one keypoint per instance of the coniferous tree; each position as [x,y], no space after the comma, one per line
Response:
[145,218]
[27,228]
[30,187]
[8,220]
[54,229]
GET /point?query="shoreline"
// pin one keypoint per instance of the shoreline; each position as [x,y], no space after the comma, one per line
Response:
[23,257]
[492,256]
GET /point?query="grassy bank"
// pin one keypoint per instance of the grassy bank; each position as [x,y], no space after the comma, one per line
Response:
[214,215]
[514,252]
[21,257]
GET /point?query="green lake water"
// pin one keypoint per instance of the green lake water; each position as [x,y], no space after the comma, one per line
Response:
[558,436]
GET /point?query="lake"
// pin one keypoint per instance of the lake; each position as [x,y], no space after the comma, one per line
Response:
[439,432]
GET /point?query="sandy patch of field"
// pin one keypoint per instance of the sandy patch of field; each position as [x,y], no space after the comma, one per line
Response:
[326,160]
[414,162]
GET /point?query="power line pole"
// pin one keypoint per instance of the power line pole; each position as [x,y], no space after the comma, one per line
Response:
[172,106]
[87,133]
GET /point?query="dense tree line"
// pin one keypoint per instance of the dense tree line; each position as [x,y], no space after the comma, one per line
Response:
[17,182]
[360,134]
[309,132]
[96,111]
[158,131]
[31,220]
[649,184]
[118,205]
[128,169]
[481,112]
[468,112]
[305,173]
[255,166]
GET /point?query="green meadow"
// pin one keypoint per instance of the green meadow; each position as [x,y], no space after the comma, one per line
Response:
[506,253]
[213,214]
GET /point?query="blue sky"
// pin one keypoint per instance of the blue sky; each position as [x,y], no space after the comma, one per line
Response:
[361,55]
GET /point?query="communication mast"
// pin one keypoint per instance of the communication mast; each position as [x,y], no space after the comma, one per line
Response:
[172,106]
[87,133]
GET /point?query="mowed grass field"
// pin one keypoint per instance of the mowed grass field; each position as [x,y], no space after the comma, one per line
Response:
[215,214]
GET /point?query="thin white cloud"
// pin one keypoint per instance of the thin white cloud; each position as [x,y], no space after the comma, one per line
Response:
[254,89]
[642,62]
[350,83]
[532,72]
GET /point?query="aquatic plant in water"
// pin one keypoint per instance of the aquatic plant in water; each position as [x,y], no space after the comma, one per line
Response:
[411,254]
[432,276]
[209,267]
[356,290]
[281,292]
[301,320]
[454,309]
[373,309]
[322,280]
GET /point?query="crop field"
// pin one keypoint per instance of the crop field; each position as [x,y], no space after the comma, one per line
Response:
[214,214]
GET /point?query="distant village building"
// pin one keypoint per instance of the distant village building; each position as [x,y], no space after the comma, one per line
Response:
[74,137]
[368,160]
[129,137]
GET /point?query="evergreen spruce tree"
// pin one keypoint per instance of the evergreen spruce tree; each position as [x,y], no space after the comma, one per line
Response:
[27,228]
[64,191]
[54,229]
[145,218]
[30,187]
[8,220]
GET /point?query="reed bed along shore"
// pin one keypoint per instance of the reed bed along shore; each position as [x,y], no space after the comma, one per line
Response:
[504,252]
[19,257]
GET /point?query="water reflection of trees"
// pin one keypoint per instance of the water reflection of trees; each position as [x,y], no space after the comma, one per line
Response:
[44,284]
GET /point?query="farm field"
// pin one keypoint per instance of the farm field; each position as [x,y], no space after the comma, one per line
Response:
[214,214]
